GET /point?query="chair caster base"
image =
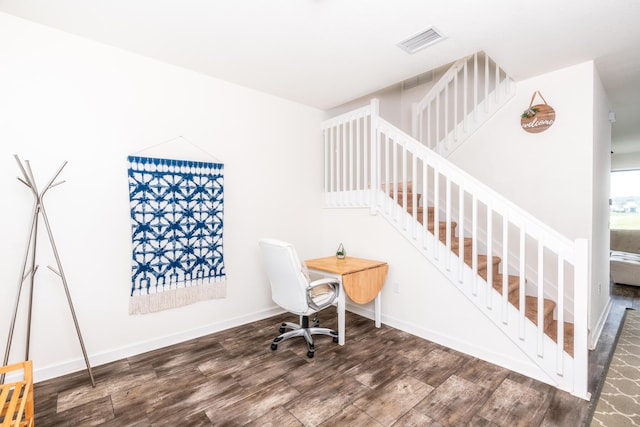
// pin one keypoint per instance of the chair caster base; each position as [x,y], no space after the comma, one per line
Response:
[303,331]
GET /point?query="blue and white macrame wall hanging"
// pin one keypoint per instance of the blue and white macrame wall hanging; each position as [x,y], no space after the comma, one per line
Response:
[177,222]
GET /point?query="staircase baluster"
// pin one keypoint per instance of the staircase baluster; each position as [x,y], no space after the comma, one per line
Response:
[560,318]
[361,160]
[486,83]
[474,247]
[351,161]
[377,166]
[505,268]
[496,92]
[489,256]
[405,201]
[521,294]
[455,105]
[436,212]
[445,112]
[437,144]
[447,238]
[394,178]
[327,164]
[387,175]
[475,87]
[541,324]
[345,159]
[367,181]
[339,163]
[425,202]
[461,232]
[414,199]
[376,169]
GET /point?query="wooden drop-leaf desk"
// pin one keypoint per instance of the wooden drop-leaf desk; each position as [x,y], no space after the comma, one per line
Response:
[361,279]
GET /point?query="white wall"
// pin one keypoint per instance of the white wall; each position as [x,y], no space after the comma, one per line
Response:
[66,98]
[599,298]
[622,161]
[426,303]
[560,176]
[547,173]
[395,102]
[557,175]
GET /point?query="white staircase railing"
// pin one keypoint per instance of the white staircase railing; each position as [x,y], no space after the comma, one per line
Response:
[471,90]
[367,158]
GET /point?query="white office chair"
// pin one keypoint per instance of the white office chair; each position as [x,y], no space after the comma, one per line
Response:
[292,290]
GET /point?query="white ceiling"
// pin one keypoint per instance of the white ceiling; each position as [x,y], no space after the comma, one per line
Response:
[323,53]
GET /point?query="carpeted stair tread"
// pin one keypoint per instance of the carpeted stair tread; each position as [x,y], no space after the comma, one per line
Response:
[442,227]
[552,331]
[409,202]
[400,186]
[397,192]
[420,209]
[513,287]
[531,312]
[455,243]
[482,263]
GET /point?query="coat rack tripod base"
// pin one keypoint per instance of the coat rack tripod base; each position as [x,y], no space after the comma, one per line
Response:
[30,268]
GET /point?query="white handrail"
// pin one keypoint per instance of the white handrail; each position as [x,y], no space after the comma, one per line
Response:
[460,102]
[397,163]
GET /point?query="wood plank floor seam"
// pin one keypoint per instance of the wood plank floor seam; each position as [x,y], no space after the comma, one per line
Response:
[381,377]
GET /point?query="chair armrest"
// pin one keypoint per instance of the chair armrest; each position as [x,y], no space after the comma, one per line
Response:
[621,255]
[324,281]
[331,284]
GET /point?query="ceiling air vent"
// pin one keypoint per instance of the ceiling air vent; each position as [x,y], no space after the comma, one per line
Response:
[421,40]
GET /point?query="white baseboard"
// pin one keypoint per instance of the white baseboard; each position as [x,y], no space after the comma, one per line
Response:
[113,355]
[594,334]
[53,371]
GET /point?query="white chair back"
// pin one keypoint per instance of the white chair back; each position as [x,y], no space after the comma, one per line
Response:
[284,270]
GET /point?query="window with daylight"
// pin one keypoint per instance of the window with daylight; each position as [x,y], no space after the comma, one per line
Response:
[625,200]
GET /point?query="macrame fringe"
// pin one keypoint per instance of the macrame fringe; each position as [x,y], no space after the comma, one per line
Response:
[143,304]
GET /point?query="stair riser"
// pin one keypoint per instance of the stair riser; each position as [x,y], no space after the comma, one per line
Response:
[514,281]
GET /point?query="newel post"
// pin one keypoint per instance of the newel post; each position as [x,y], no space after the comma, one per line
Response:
[375,154]
[582,286]
[414,121]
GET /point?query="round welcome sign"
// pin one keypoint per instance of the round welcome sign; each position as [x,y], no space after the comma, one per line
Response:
[537,118]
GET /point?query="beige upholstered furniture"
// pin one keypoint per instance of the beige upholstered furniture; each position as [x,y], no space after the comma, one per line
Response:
[625,257]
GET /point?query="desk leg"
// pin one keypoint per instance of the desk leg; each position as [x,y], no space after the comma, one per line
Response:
[377,309]
[342,302]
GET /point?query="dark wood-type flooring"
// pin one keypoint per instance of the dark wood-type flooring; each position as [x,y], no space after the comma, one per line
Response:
[381,377]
